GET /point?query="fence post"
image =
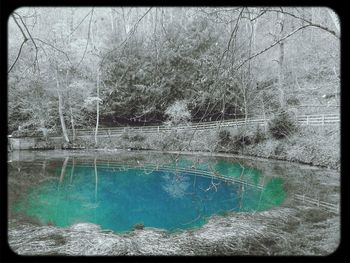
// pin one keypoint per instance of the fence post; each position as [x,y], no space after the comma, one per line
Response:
[307,119]
[322,119]
[158,129]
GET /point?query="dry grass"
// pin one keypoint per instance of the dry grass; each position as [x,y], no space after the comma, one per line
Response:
[280,231]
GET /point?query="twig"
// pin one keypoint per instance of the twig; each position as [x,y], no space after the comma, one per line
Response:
[80,23]
[271,46]
[88,38]
[19,53]
[305,20]
[52,46]
[30,36]
[132,31]
[20,49]
[230,40]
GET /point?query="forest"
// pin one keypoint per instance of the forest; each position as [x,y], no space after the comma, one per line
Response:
[131,64]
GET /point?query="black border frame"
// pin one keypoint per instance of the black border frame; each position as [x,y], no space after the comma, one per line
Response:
[6,8]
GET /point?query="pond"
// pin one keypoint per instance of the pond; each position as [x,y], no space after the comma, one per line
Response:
[172,195]
[121,192]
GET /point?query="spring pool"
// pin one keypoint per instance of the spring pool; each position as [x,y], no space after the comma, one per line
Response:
[173,194]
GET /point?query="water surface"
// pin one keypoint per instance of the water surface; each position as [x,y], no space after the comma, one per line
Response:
[124,194]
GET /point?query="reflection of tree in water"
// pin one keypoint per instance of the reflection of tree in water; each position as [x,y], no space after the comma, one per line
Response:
[175,185]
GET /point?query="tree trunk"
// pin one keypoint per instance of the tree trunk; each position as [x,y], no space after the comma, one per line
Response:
[97,106]
[70,108]
[63,125]
[335,20]
[264,112]
[280,21]
[245,107]
[280,74]
[60,110]
[124,24]
[72,123]
[92,32]
[112,22]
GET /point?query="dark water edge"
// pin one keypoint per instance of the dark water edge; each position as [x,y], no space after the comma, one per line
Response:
[16,154]
[295,228]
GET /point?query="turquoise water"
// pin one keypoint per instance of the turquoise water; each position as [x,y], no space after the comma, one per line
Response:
[172,198]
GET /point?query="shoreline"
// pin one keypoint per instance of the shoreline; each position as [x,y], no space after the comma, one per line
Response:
[199,153]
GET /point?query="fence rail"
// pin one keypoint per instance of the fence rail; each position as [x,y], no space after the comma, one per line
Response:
[314,120]
[325,205]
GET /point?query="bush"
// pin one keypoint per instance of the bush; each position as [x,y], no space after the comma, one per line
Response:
[137,138]
[259,135]
[125,136]
[27,133]
[224,137]
[282,125]
[133,138]
[241,139]
[238,138]
[178,113]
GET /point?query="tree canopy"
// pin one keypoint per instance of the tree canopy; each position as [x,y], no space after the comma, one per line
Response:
[136,62]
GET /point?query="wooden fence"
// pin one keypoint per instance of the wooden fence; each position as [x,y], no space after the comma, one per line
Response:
[314,120]
[316,202]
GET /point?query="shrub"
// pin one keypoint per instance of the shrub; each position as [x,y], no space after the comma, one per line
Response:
[241,139]
[178,113]
[224,137]
[282,125]
[137,138]
[27,133]
[293,101]
[259,135]
[171,141]
[133,138]
[125,136]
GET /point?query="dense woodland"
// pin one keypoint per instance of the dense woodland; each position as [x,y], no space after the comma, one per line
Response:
[72,68]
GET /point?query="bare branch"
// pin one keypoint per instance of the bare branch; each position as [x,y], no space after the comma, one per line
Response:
[234,31]
[88,38]
[259,15]
[71,33]
[30,36]
[20,28]
[19,53]
[57,49]
[308,22]
[132,31]
[20,49]
[271,46]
